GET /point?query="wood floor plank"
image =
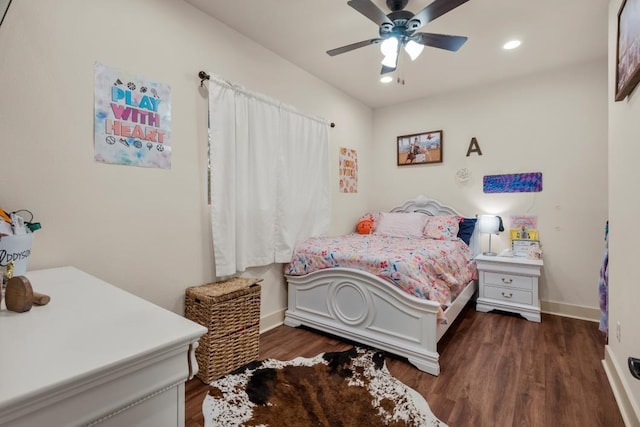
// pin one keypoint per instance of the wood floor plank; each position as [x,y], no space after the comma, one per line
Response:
[496,370]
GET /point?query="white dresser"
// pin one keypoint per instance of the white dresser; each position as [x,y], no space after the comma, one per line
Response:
[95,355]
[509,284]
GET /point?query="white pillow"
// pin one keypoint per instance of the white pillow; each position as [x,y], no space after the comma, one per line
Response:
[401,224]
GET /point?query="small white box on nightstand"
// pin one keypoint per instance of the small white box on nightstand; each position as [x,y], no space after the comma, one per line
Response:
[509,284]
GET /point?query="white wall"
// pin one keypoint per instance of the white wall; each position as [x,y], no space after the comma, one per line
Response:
[145,230]
[554,123]
[624,205]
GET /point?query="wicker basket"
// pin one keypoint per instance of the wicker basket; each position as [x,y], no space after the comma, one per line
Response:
[230,310]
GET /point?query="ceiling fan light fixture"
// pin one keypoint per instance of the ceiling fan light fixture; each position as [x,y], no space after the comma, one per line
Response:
[390,60]
[386,79]
[413,49]
[397,29]
[389,47]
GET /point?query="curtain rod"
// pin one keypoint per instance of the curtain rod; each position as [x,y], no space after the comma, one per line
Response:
[204,76]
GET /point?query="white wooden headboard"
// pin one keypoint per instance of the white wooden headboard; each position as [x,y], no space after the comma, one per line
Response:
[433,207]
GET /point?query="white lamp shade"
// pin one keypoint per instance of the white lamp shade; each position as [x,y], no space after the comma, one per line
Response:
[413,49]
[390,61]
[389,47]
[489,224]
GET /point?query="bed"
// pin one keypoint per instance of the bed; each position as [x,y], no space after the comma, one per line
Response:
[360,306]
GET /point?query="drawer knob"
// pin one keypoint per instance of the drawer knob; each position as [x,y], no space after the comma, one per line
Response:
[507,295]
[505,280]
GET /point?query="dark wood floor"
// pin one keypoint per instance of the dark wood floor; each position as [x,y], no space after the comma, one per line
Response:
[496,370]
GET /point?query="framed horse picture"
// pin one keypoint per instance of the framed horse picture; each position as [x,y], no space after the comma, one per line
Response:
[419,148]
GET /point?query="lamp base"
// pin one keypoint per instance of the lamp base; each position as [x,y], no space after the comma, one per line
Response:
[489,253]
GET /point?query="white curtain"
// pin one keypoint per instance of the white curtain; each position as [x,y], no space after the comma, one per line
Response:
[269,178]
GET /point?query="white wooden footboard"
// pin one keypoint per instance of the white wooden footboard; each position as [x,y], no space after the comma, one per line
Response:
[451,313]
[359,306]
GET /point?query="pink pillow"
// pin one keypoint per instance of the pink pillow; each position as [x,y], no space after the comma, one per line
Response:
[401,224]
[442,227]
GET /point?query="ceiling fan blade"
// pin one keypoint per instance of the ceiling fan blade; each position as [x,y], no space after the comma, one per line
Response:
[350,47]
[441,41]
[371,11]
[433,11]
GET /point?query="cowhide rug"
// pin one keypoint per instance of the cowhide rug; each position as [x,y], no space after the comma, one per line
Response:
[350,389]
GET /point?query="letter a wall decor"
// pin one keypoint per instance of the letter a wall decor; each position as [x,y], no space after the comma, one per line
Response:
[513,183]
[132,119]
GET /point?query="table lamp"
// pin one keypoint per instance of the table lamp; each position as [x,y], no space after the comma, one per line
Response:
[490,224]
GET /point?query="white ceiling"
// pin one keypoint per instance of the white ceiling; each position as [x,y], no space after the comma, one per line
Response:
[553,33]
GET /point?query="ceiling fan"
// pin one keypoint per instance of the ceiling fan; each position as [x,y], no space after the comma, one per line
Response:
[397,29]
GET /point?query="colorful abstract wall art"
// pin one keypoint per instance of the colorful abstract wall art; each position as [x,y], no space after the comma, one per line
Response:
[513,183]
[132,119]
[348,170]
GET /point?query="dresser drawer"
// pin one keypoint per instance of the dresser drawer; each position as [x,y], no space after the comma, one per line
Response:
[508,295]
[510,280]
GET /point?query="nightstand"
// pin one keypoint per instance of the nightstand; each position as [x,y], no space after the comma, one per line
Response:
[509,284]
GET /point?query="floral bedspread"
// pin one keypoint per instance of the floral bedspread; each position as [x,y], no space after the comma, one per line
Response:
[433,269]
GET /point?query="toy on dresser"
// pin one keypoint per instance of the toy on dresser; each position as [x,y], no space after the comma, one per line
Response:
[19,295]
[535,251]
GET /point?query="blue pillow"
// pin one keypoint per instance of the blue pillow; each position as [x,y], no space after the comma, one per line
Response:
[466,227]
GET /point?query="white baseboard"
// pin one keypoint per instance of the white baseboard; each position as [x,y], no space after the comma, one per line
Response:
[272,320]
[627,410]
[568,310]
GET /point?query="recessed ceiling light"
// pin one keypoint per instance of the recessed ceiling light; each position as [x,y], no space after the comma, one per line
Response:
[386,79]
[511,44]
